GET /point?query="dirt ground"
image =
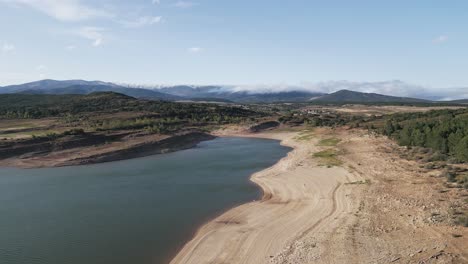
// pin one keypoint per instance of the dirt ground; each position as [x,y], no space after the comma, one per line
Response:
[404,215]
[373,208]
[378,110]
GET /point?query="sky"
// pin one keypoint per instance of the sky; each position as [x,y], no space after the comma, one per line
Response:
[240,42]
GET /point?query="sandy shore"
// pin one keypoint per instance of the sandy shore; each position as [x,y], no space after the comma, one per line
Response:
[299,198]
[314,214]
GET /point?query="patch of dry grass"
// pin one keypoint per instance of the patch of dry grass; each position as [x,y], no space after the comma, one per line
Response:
[328,158]
[367,181]
[305,135]
[329,142]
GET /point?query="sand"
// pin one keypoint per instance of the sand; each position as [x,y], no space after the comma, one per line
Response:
[317,214]
[299,197]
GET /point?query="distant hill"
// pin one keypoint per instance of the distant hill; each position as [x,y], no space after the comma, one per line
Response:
[289,96]
[85,87]
[209,99]
[226,93]
[347,96]
[461,101]
[24,101]
[188,91]
[48,85]
[20,105]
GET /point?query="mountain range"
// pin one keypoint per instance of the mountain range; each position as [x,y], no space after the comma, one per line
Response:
[347,96]
[206,93]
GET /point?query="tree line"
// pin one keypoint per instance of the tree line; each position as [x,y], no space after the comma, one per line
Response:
[41,106]
[445,131]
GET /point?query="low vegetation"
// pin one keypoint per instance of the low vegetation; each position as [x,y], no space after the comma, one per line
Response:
[108,111]
[436,139]
[29,106]
[328,157]
[305,135]
[329,142]
[359,182]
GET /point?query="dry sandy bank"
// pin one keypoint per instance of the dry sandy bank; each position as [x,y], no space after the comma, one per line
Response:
[299,198]
[374,208]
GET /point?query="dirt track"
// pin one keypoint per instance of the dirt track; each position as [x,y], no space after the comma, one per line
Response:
[315,214]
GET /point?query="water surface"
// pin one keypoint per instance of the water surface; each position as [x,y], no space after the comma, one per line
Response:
[137,211]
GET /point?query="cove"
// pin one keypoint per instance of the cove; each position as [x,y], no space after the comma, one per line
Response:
[138,211]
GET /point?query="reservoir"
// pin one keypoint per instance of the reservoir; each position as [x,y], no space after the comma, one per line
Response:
[138,211]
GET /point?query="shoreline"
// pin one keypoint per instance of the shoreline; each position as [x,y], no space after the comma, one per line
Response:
[250,179]
[375,207]
[230,223]
[367,210]
[39,156]
[263,195]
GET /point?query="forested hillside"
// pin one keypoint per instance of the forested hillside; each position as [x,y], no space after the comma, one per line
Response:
[109,111]
[40,106]
[445,131]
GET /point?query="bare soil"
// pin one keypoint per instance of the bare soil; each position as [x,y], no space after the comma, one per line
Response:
[373,208]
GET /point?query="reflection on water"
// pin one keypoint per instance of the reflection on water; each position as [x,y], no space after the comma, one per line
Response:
[134,211]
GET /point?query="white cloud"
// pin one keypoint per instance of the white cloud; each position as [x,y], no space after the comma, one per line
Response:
[185,4]
[70,47]
[42,71]
[156,2]
[41,67]
[195,50]
[440,39]
[142,21]
[393,88]
[92,33]
[63,10]
[6,47]
[8,78]
[77,10]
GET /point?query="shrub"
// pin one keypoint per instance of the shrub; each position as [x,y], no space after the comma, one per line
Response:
[451,176]
[74,131]
[463,180]
[462,220]
[51,135]
[429,166]
[437,156]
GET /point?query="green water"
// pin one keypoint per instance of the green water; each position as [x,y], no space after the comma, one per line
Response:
[137,211]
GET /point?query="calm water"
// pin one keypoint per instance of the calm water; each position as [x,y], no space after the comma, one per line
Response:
[131,212]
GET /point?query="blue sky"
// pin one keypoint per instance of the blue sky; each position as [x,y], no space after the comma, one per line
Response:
[235,42]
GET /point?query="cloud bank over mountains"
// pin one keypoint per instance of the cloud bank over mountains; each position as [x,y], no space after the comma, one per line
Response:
[305,91]
[392,88]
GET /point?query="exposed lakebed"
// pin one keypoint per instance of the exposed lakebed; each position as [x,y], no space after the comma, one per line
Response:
[133,211]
